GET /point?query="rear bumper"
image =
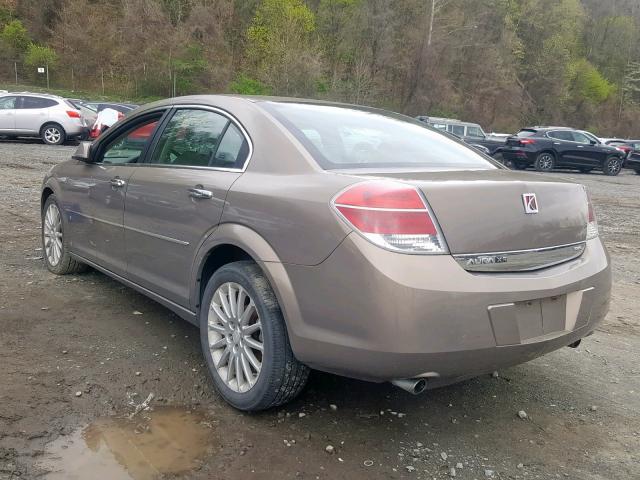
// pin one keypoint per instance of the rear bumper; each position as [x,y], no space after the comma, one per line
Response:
[377,315]
[518,155]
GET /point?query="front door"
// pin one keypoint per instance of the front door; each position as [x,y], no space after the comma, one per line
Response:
[106,183]
[175,199]
[8,113]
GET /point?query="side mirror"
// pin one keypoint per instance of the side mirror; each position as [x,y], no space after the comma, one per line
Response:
[83,152]
[593,142]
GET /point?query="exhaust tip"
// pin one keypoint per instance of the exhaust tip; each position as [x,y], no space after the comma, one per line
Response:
[414,386]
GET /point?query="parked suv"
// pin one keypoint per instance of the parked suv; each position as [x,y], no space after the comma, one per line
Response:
[546,148]
[470,133]
[40,115]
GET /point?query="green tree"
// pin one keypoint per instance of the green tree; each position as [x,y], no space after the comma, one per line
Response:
[15,36]
[588,84]
[281,47]
[245,85]
[40,56]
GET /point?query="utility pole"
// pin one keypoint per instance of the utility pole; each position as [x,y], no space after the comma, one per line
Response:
[102,79]
[175,76]
[47,67]
[15,66]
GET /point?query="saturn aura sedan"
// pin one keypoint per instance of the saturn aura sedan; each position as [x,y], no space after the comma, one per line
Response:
[304,235]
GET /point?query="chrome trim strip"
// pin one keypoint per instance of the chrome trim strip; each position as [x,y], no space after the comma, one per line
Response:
[133,229]
[520,260]
[380,209]
[157,235]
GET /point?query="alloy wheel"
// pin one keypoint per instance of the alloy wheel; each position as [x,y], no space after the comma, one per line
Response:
[546,162]
[52,135]
[53,235]
[613,166]
[235,337]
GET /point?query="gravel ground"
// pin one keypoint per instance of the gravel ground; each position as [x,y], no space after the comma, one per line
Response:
[77,352]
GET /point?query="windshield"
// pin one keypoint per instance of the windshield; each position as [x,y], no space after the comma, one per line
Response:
[346,138]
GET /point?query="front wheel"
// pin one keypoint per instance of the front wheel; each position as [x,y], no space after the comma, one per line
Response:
[612,166]
[244,340]
[53,134]
[54,241]
[545,162]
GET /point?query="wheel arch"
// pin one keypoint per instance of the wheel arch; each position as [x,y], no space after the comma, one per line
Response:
[47,191]
[233,242]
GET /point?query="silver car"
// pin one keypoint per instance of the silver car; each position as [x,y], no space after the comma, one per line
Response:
[49,117]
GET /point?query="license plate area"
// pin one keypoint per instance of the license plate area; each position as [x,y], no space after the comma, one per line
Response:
[540,319]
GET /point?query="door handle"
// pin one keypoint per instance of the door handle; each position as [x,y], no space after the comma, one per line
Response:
[199,192]
[117,182]
[580,146]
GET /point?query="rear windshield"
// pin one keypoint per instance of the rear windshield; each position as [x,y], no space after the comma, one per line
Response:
[347,138]
[526,133]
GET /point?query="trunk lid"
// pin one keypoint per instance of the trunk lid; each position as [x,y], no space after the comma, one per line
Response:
[483,211]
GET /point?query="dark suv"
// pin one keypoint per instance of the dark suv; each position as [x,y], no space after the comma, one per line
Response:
[546,148]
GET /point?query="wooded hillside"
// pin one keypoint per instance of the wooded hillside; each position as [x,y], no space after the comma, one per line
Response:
[502,63]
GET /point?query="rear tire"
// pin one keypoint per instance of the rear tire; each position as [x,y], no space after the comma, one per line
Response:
[612,166]
[53,134]
[545,162]
[55,248]
[240,319]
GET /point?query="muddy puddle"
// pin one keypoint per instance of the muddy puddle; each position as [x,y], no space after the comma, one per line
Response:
[160,442]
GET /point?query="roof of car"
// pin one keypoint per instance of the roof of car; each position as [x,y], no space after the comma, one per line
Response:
[34,94]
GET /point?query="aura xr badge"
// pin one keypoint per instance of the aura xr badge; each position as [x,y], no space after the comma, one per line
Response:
[530,202]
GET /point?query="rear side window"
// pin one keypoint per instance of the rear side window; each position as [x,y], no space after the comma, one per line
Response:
[37,102]
[232,150]
[562,135]
[190,138]
[345,137]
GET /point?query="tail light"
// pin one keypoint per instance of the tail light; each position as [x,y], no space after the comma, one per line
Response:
[73,113]
[527,141]
[391,215]
[592,225]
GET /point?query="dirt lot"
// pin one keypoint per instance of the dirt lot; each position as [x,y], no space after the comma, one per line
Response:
[78,353]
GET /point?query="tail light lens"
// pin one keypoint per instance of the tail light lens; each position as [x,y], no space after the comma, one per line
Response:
[592,225]
[391,215]
[527,141]
[73,113]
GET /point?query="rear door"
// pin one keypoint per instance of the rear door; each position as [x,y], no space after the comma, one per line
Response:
[175,200]
[8,106]
[32,113]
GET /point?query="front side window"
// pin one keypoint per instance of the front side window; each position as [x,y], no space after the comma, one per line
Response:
[350,137]
[190,138]
[129,146]
[581,138]
[475,132]
[8,103]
